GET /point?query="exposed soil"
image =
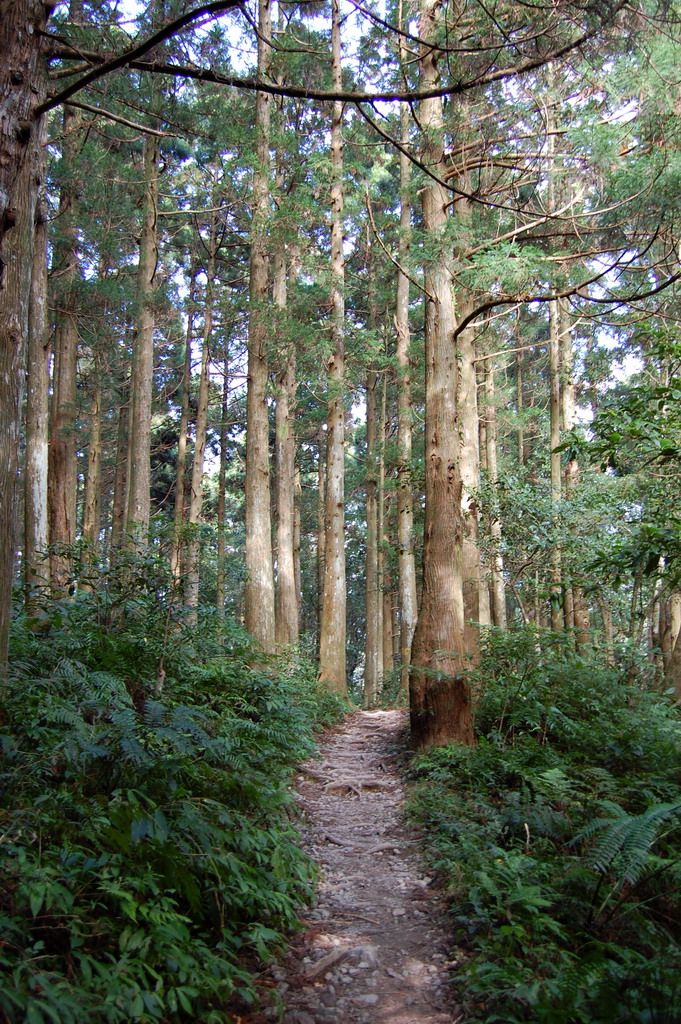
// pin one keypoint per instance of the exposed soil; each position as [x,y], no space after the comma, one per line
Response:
[374,950]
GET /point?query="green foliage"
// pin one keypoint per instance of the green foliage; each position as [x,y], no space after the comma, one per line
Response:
[148,846]
[559,839]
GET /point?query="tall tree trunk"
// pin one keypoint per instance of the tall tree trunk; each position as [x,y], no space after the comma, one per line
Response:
[498,588]
[62,473]
[196,488]
[386,587]
[555,589]
[321,532]
[177,546]
[577,610]
[141,386]
[405,507]
[441,708]
[119,503]
[286,609]
[608,632]
[475,612]
[333,618]
[92,478]
[259,591]
[36,537]
[222,484]
[373,649]
[297,572]
[373,668]
[520,400]
[22,89]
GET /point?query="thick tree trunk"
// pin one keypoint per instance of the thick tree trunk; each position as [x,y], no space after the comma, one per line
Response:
[405,508]
[139,496]
[333,617]
[441,708]
[36,537]
[259,590]
[177,545]
[196,487]
[286,608]
[22,89]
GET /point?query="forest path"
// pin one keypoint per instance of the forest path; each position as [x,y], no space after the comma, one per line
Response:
[374,950]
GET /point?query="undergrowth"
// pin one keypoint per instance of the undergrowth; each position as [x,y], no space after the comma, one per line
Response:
[559,836]
[147,839]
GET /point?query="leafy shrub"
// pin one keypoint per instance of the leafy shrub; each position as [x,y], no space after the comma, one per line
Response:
[148,848]
[559,838]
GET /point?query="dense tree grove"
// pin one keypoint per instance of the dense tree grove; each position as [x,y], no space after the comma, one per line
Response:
[354,325]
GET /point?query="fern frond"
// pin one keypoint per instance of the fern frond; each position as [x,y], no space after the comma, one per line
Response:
[628,839]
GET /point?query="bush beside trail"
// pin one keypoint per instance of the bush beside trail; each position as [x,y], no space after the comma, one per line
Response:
[559,836]
[149,851]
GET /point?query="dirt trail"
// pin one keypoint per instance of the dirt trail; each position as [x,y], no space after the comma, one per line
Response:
[374,951]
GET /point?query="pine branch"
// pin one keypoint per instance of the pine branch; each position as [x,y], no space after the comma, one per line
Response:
[126,59]
[131,59]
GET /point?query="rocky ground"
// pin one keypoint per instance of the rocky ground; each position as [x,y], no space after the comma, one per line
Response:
[374,950]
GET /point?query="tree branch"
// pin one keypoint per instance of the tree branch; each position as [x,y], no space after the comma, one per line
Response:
[389,254]
[120,120]
[513,300]
[125,59]
[131,59]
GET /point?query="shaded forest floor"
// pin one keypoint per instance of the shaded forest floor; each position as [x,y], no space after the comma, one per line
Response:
[374,947]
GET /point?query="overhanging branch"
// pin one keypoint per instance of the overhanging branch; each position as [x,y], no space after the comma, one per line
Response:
[131,59]
[126,59]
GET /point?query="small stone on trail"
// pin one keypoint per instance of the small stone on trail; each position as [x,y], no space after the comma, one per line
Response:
[298,1017]
[370,999]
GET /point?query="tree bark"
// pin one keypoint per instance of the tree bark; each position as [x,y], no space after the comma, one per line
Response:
[498,588]
[62,475]
[177,545]
[92,480]
[386,626]
[119,503]
[22,89]
[440,693]
[555,589]
[259,590]
[577,610]
[476,612]
[141,387]
[405,507]
[222,484]
[36,537]
[373,650]
[334,598]
[196,488]
[286,608]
